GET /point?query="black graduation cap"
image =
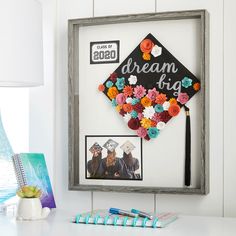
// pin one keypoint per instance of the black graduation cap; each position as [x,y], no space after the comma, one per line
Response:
[149,88]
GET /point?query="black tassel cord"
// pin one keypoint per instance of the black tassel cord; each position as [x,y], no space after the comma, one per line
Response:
[187,179]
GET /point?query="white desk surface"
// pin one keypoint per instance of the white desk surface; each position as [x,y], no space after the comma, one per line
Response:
[58,224]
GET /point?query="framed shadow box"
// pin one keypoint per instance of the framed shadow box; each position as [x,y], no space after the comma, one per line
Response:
[129,77]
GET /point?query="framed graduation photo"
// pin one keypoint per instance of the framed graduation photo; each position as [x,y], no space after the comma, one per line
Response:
[138,103]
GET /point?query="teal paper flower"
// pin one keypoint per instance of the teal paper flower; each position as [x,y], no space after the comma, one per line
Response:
[134,114]
[113,102]
[120,83]
[159,108]
[109,84]
[135,101]
[153,132]
[186,82]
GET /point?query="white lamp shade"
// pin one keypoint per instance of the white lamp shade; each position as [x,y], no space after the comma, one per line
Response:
[21,43]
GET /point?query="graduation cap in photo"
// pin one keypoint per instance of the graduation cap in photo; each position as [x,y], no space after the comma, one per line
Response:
[127,147]
[95,148]
[110,145]
[149,88]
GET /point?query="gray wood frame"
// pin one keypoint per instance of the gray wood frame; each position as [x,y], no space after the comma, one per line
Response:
[73,102]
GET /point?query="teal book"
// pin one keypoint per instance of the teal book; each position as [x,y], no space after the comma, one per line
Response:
[103,217]
[31,169]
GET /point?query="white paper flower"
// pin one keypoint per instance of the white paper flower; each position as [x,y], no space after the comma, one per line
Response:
[149,112]
[129,100]
[161,125]
[166,106]
[127,117]
[132,79]
[156,51]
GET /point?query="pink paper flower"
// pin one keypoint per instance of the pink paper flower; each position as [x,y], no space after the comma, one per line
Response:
[139,91]
[140,116]
[152,94]
[141,132]
[183,98]
[120,99]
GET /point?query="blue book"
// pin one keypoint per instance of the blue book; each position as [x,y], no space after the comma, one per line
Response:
[31,169]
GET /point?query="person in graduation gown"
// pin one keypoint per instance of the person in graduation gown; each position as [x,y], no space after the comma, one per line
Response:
[94,164]
[131,164]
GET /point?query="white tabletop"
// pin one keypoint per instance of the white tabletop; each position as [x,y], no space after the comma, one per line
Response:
[58,224]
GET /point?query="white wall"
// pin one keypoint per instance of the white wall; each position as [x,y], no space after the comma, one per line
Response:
[220,201]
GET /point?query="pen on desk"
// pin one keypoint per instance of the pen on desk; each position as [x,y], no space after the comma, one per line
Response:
[122,212]
[142,214]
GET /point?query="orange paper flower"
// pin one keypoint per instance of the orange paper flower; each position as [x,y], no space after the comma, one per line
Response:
[101,87]
[174,110]
[146,123]
[146,56]
[161,98]
[146,102]
[127,107]
[172,101]
[146,45]
[112,92]
[128,91]
[196,86]
[153,123]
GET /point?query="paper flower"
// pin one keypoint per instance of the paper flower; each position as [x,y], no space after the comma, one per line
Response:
[186,82]
[138,107]
[113,77]
[120,83]
[118,108]
[135,101]
[148,112]
[101,87]
[113,102]
[140,116]
[153,132]
[146,56]
[127,107]
[146,45]
[172,101]
[134,114]
[153,123]
[128,91]
[161,125]
[146,123]
[156,117]
[174,110]
[129,100]
[133,124]
[196,86]
[132,79]
[183,98]
[112,92]
[156,51]
[109,84]
[159,108]
[141,132]
[161,98]
[165,117]
[139,91]
[166,105]
[152,94]
[146,102]
[120,99]
[127,117]
[122,112]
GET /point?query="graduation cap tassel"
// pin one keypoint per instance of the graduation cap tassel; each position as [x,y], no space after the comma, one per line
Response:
[187,148]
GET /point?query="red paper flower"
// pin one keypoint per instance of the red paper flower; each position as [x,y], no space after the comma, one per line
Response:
[165,117]
[146,45]
[174,110]
[138,107]
[133,124]
[128,91]
[101,87]
[113,77]
[161,98]
[122,112]
[127,107]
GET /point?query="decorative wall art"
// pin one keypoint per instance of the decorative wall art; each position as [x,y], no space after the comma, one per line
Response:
[153,71]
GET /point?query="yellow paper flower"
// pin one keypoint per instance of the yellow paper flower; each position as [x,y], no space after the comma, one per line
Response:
[118,107]
[172,101]
[112,92]
[146,56]
[146,102]
[146,123]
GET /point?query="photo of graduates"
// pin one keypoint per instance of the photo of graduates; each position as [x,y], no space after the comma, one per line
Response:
[118,158]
